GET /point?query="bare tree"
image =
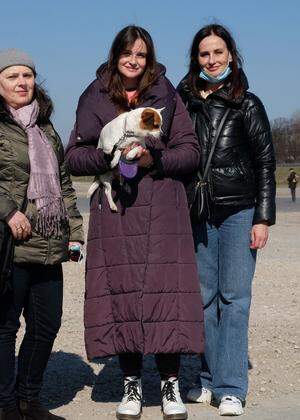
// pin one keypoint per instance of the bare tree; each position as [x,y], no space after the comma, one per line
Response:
[286,138]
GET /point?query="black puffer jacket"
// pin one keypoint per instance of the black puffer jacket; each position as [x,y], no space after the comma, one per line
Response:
[243,164]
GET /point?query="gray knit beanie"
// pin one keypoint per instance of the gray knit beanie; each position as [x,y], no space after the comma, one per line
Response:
[15,57]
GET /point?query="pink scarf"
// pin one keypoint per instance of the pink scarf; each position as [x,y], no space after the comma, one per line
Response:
[44,182]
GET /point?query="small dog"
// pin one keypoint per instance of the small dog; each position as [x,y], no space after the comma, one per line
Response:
[128,128]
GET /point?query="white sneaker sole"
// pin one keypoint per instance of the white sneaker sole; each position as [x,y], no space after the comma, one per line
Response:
[121,416]
[228,412]
[182,416]
[199,400]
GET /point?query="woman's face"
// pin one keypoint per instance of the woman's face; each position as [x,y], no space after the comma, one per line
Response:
[214,55]
[132,61]
[17,86]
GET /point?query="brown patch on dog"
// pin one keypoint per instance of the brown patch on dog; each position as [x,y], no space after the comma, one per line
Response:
[150,120]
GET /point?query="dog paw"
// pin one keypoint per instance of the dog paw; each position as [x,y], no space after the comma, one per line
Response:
[114,208]
[116,159]
[113,163]
[132,154]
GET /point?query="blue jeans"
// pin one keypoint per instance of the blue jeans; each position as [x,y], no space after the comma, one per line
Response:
[226,266]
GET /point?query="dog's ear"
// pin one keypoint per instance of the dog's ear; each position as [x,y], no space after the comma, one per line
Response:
[150,119]
[147,119]
[147,115]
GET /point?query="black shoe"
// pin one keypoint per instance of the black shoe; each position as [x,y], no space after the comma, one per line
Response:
[33,410]
[11,413]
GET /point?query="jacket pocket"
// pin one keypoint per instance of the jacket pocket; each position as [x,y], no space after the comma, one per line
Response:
[232,182]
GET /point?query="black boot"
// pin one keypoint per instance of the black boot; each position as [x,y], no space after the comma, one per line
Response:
[33,410]
[11,413]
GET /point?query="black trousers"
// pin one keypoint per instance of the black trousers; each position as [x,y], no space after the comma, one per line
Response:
[167,364]
[37,292]
[293,193]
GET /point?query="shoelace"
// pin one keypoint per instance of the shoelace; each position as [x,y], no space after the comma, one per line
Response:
[131,391]
[168,391]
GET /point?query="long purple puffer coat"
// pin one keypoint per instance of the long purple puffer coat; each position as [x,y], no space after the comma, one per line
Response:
[142,288]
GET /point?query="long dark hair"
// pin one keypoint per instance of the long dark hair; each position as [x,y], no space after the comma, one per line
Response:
[194,81]
[124,39]
[44,101]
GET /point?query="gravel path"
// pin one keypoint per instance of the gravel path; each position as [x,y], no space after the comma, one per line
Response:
[78,389]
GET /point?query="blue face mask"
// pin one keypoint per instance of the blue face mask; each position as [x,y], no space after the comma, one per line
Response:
[214,80]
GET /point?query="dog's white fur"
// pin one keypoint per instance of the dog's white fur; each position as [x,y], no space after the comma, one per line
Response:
[113,134]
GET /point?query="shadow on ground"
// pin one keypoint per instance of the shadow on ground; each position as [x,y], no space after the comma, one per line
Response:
[109,383]
[68,373]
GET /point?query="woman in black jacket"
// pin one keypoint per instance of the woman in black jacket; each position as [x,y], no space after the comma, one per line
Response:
[241,187]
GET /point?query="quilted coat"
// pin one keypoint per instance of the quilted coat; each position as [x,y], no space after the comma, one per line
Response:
[142,288]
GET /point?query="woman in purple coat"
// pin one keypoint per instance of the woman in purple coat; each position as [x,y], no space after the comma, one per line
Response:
[142,290]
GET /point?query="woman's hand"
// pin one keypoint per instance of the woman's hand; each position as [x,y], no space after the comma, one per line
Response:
[19,225]
[146,159]
[259,235]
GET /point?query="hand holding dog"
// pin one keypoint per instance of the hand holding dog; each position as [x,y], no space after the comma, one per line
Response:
[146,159]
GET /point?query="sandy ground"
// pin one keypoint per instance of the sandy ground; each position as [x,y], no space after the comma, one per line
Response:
[77,389]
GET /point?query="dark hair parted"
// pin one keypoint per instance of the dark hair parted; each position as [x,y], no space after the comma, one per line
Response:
[44,101]
[124,39]
[195,83]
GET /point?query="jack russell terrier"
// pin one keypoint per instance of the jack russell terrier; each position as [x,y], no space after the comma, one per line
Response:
[129,128]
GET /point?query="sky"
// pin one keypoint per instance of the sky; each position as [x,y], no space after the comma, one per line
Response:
[69,39]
